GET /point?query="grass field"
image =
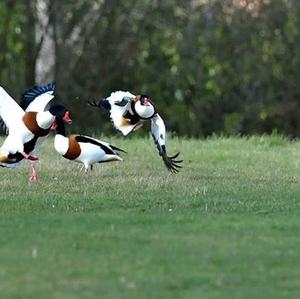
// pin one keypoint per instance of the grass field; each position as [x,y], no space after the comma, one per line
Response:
[226,226]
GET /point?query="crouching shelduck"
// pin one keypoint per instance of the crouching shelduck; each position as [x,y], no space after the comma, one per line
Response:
[25,128]
[128,113]
[83,149]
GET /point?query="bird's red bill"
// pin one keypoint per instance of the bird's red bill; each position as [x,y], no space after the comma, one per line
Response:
[67,118]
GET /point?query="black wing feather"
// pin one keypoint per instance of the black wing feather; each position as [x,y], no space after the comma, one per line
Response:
[3,126]
[170,162]
[28,96]
[106,149]
[117,149]
[103,103]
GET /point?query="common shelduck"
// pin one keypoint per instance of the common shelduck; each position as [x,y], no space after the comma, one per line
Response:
[25,128]
[128,113]
[83,149]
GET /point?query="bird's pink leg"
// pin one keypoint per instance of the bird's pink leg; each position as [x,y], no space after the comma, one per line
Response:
[29,157]
[34,176]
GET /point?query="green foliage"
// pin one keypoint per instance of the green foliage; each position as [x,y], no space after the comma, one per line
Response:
[226,226]
[16,46]
[215,66]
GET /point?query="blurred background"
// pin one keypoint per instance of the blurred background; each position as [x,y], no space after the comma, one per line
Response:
[211,66]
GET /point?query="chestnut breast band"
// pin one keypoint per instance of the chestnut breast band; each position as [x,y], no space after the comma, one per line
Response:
[74,148]
[30,122]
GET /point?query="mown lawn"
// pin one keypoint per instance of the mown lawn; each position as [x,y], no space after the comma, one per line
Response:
[226,226]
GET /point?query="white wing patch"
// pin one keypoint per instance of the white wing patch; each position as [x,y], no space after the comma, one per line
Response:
[158,130]
[118,96]
[41,102]
[10,112]
[120,102]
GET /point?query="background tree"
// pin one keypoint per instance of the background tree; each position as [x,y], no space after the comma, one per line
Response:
[218,66]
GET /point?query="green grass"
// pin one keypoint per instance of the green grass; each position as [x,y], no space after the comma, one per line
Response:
[226,226]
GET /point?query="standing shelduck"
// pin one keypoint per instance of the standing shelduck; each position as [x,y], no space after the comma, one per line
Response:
[26,128]
[128,113]
[83,149]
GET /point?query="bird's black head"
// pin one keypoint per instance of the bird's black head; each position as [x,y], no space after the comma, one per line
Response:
[60,112]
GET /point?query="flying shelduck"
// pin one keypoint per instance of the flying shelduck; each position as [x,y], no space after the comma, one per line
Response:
[128,113]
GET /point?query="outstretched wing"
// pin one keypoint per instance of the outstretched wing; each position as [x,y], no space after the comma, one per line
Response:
[158,131]
[10,112]
[38,98]
[117,104]
[118,98]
